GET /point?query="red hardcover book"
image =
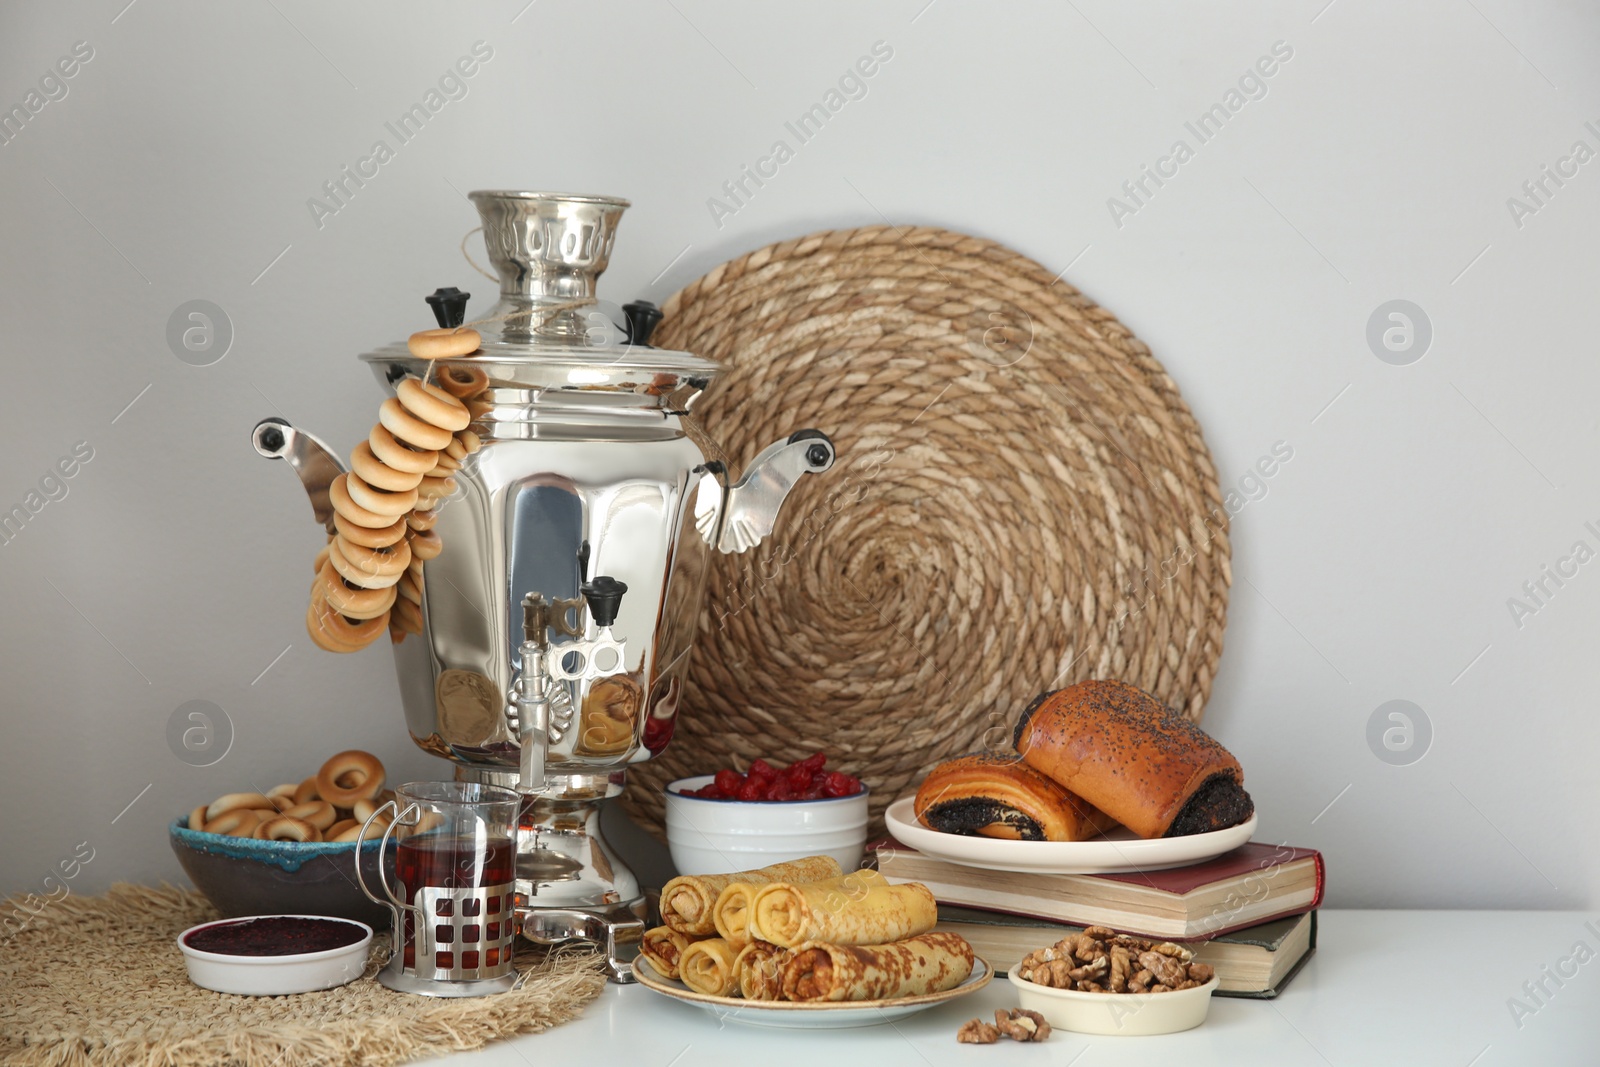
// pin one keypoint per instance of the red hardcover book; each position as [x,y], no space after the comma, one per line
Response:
[1253,884]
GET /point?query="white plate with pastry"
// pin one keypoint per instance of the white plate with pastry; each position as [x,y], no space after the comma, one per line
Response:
[809,1015]
[1117,851]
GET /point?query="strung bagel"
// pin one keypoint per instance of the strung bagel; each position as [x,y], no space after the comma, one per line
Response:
[432,405]
[378,474]
[407,427]
[335,633]
[306,790]
[380,501]
[422,520]
[435,488]
[367,537]
[447,464]
[283,828]
[470,441]
[445,343]
[376,562]
[322,556]
[318,814]
[407,615]
[343,504]
[456,449]
[408,588]
[320,637]
[354,602]
[426,545]
[463,381]
[235,802]
[355,576]
[399,455]
[365,773]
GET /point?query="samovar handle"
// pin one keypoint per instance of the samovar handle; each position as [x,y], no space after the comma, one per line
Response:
[749,509]
[315,463]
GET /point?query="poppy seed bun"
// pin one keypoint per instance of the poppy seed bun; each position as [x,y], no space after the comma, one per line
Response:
[1122,751]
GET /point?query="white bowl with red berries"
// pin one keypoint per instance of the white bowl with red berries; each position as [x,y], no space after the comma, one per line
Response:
[739,821]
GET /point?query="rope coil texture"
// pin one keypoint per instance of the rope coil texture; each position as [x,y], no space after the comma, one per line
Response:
[1022,500]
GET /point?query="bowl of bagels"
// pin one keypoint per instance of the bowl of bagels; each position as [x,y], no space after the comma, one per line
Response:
[291,848]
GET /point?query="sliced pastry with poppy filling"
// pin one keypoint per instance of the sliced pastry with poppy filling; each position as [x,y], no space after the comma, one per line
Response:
[1000,796]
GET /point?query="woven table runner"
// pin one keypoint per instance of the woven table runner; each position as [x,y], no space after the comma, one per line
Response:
[99,981]
[1022,500]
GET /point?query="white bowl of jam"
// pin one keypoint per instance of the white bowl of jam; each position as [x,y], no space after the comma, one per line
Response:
[274,955]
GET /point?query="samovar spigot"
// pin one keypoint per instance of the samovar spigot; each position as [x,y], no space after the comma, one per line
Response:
[545,664]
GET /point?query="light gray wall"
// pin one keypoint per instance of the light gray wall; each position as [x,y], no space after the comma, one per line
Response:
[1377,166]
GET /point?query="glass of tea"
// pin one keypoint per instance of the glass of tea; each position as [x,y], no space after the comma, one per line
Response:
[454,879]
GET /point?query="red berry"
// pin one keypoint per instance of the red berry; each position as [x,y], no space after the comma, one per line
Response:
[751,789]
[779,790]
[728,782]
[761,769]
[814,762]
[840,785]
[797,777]
[709,791]
[811,792]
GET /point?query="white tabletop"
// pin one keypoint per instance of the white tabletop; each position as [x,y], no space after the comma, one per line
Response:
[1385,987]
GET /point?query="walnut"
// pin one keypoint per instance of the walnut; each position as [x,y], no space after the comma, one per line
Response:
[1086,948]
[1166,969]
[1090,970]
[1114,963]
[1059,973]
[1121,967]
[1019,1024]
[977,1032]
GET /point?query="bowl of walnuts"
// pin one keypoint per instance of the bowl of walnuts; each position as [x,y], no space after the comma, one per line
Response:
[1103,982]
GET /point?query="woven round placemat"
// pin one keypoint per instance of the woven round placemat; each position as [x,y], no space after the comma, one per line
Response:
[98,981]
[1022,500]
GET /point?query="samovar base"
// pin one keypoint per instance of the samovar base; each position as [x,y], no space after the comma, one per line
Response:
[570,885]
[615,929]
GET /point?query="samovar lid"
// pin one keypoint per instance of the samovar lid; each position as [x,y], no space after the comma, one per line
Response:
[548,330]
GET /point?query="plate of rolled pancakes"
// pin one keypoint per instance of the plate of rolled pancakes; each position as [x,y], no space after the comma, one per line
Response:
[803,945]
[1103,779]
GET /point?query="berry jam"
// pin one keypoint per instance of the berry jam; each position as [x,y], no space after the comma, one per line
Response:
[278,935]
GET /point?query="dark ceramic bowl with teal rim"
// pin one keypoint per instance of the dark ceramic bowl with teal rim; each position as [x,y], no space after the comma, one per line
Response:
[244,876]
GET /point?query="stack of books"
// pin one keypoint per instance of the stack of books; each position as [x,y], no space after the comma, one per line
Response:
[1251,914]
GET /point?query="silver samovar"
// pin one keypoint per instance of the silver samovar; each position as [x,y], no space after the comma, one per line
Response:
[558,620]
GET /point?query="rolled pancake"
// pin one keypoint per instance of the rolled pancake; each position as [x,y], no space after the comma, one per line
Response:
[928,963]
[663,947]
[861,908]
[688,901]
[758,969]
[707,967]
[732,913]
